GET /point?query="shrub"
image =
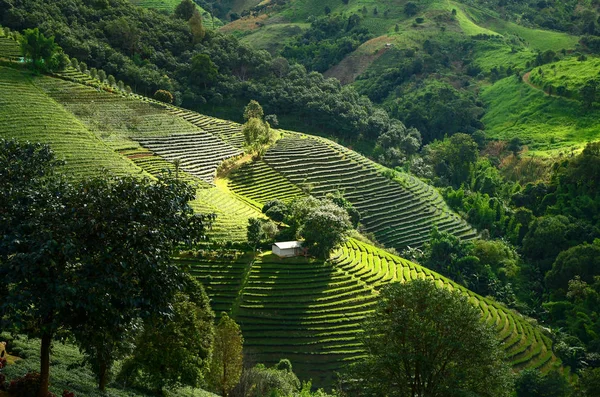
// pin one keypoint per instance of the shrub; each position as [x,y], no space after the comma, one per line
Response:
[163,96]
[27,386]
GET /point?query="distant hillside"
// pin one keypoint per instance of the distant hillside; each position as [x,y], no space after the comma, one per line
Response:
[464,45]
[168,6]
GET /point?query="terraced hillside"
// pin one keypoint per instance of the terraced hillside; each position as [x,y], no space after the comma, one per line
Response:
[310,311]
[121,121]
[27,113]
[261,183]
[228,131]
[9,48]
[399,212]
[97,132]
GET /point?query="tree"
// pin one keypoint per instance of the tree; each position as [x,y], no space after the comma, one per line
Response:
[531,383]
[580,260]
[185,10]
[324,228]
[454,158]
[126,255]
[428,341]
[589,92]
[38,48]
[411,9]
[253,110]
[175,352]
[100,248]
[260,381]
[33,235]
[257,132]
[163,96]
[203,70]
[196,27]
[227,362]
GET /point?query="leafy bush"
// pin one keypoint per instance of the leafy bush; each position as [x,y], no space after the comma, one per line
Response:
[163,96]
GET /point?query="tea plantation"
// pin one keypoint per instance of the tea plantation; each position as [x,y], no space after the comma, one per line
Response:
[310,311]
[306,310]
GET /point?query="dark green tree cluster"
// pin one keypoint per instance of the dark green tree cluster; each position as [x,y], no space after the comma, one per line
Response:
[323,224]
[427,341]
[91,258]
[568,16]
[487,267]
[329,39]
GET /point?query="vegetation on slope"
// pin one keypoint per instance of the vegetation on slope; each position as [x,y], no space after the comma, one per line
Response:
[546,124]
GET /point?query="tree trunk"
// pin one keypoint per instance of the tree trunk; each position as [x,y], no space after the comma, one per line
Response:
[102,375]
[45,365]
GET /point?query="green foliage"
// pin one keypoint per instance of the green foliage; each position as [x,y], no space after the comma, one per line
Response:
[324,228]
[549,235]
[185,10]
[425,340]
[226,366]
[260,231]
[329,39]
[582,261]
[486,267]
[531,383]
[453,158]
[174,352]
[260,381]
[437,109]
[43,53]
[163,96]
[51,219]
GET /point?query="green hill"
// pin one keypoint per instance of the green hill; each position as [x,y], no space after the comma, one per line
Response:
[464,44]
[310,311]
[566,77]
[546,124]
[306,310]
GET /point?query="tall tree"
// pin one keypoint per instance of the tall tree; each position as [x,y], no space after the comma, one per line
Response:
[185,10]
[324,228]
[38,48]
[174,352]
[196,27]
[227,362]
[428,341]
[91,257]
[35,244]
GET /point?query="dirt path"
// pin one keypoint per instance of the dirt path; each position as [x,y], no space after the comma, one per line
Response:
[529,83]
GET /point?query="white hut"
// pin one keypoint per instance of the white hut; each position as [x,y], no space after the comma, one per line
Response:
[288,249]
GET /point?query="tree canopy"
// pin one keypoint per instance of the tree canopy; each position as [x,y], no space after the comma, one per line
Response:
[89,256]
[427,341]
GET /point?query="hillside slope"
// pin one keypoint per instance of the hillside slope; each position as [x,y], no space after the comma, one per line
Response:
[310,311]
[306,310]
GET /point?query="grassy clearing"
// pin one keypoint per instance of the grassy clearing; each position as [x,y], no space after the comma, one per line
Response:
[27,113]
[537,39]
[546,124]
[67,373]
[170,5]
[569,73]
[499,53]
[273,37]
